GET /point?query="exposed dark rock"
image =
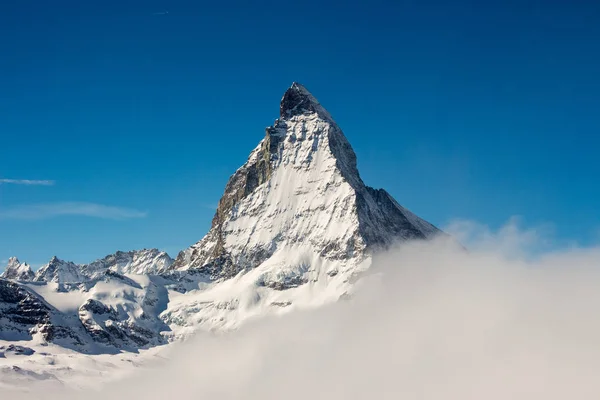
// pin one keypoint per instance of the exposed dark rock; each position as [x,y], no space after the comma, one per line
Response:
[15,350]
[21,311]
[296,101]
[107,326]
[284,283]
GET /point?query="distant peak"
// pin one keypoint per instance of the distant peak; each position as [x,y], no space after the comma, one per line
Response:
[297,100]
[17,270]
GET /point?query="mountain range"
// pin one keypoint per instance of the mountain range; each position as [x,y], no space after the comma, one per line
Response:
[295,228]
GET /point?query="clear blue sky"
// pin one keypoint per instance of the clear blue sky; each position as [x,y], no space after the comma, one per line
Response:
[464,109]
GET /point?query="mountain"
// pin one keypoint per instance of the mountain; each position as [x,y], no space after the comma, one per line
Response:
[59,271]
[100,316]
[17,270]
[295,229]
[300,192]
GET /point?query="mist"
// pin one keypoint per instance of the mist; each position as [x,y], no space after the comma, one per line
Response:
[430,321]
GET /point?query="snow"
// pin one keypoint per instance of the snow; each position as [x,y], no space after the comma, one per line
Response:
[67,302]
[53,366]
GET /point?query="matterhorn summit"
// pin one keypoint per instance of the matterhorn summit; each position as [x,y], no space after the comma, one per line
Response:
[297,218]
[299,201]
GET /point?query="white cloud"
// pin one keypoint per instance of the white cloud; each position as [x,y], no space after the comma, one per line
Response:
[510,240]
[429,322]
[27,182]
[50,210]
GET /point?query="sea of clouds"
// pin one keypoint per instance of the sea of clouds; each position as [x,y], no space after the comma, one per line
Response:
[431,321]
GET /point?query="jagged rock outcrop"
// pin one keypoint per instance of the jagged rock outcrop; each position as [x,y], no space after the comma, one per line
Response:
[300,191]
[17,270]
[21,312]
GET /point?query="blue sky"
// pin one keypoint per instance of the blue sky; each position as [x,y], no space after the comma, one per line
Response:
[138,117]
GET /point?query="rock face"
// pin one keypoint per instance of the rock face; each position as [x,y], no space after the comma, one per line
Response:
[21,311]
[23,314]
[17,270]
[300,192]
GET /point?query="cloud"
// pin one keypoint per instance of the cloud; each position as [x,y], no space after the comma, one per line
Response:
[50,210]
[29,182]
[429,321]
[511,240]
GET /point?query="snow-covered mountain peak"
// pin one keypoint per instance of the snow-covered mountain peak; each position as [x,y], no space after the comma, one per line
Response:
[60,271]
[17,270]
[305,130]
[297,216]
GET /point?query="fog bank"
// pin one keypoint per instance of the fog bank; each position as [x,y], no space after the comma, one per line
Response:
[430,322]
